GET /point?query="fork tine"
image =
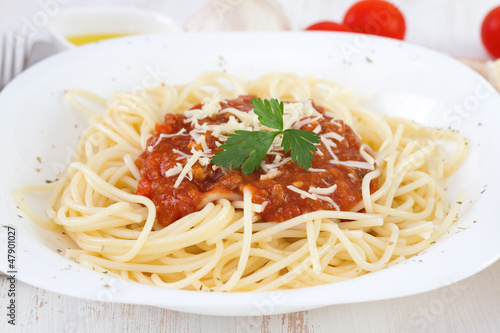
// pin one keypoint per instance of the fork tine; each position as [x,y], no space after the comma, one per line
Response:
[13,56]
[7,58]
[2,50]
[19,55]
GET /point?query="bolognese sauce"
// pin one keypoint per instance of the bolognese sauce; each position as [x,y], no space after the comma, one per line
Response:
[284,189]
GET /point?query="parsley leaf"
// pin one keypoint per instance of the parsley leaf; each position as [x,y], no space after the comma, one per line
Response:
[270,112]
[300,143]
[247,149]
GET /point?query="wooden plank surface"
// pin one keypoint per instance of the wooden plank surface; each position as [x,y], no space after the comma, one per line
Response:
[471,305]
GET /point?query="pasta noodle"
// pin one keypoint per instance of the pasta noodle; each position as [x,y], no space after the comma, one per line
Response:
[225,245]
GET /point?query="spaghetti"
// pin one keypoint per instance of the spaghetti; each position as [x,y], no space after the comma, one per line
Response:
[226,245]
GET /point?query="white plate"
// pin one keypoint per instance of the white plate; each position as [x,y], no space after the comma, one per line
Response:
[405,80]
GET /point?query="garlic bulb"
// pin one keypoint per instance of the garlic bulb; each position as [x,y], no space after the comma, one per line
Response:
[489,69]
[220,15]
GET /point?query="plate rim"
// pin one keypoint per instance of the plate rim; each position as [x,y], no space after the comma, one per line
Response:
[229,300]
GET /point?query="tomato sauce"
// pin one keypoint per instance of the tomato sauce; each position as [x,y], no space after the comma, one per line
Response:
[282,202]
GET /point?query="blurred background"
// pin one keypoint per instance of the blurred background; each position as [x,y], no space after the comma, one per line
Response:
[450,26]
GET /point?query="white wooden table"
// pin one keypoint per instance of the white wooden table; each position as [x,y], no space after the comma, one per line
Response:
[471,305]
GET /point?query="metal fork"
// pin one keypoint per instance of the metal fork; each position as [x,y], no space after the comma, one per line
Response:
[13,56]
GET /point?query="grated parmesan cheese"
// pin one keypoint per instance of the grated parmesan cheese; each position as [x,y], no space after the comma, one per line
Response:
[328,144]
[150,148]
[368,158]
[333,135]
[304,194]
[174,171]
[328,199]
[181,153]
[323,190]
[187,168]
[354,164]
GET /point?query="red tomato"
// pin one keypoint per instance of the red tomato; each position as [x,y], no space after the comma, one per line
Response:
[376,17]
[329,26]
[490,32]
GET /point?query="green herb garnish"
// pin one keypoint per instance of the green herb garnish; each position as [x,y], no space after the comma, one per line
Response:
[247,149]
